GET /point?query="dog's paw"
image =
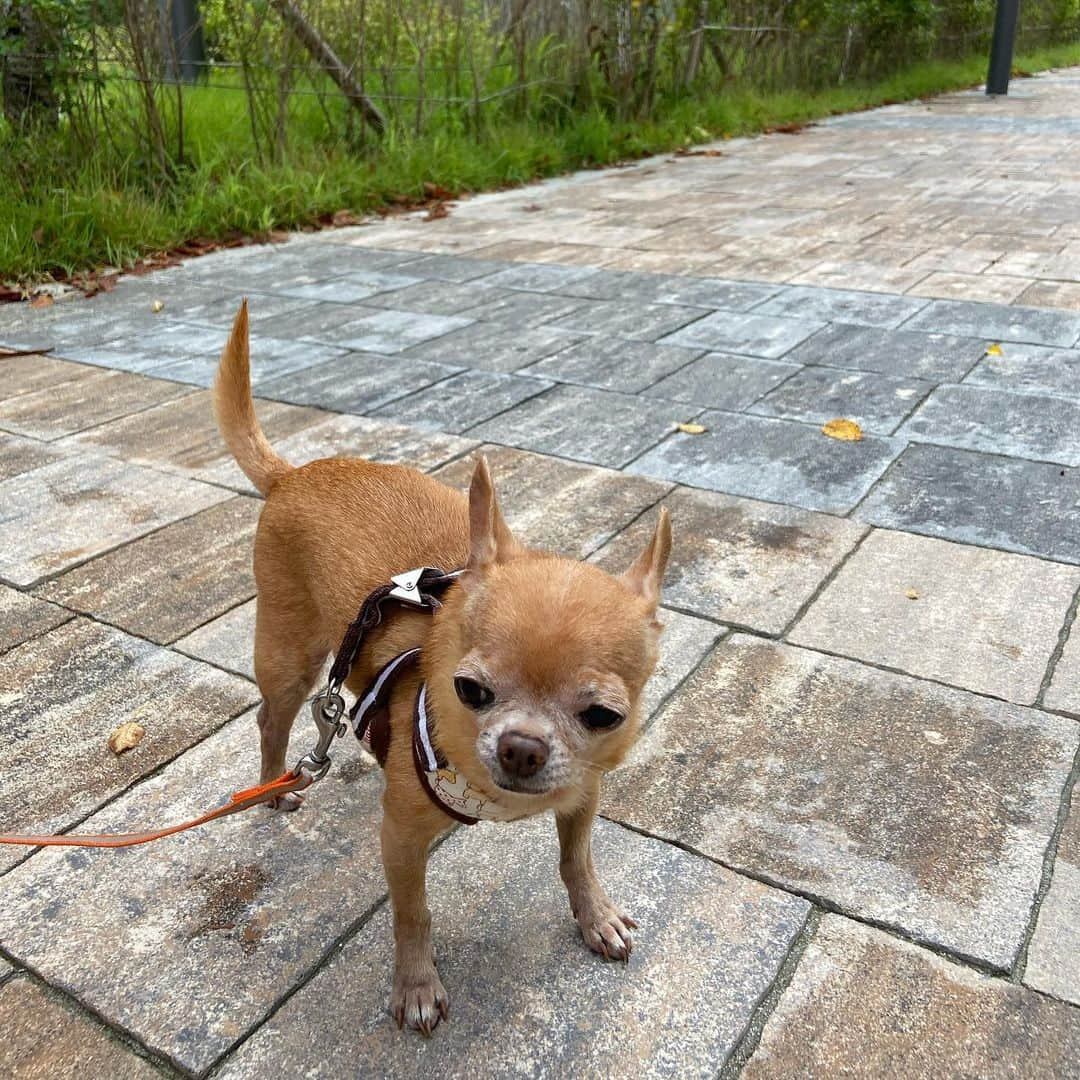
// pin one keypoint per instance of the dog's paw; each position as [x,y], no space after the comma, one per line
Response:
[606,930]
[291,800]
[419,1001]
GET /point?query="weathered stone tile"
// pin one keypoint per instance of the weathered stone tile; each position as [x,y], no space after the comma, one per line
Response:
[19,455]
[1037,326]
[458,403]
[233,914]
[984,620]
[878,403]
[441,297]
[841,305]
[45,1037]
[568,508]
[28,374]
[538,278]
[149,345]
[525,309]
[998,422]
[912,804]
[983,288]
[226,642]
[1052,294]
[708,945]
[356,382]
[860,275]
[1055,945]
[863,1003]
[752,334]
[1064,690]
[395,331]
[715,293]
[492,347]
[749,563]
[614,364]
[900,353]
[776,460]
[684,642]
[166,584]
[350,288]
[1000,502]
[629,319]
[625,285]
[318,322]
[453,267]
[93,398]
[351,436]
[588,425]
[84,679]
[23,617]
[64,513]
[183,435]
[1030,369]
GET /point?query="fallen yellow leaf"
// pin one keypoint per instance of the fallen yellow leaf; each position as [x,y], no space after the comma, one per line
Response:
[43,300]
[844,430]
[692,429]
[911,594]
[126,737]
[994,350]
[157,305]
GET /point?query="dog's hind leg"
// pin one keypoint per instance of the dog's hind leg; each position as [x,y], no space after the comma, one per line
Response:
[288,660]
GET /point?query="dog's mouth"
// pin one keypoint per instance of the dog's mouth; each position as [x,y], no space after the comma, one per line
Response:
[522,787]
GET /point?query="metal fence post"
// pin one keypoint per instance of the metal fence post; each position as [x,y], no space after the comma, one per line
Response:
[1001,47]
[185,46]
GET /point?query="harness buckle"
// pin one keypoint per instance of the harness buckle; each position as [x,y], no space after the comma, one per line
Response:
[407,586]
[326,710]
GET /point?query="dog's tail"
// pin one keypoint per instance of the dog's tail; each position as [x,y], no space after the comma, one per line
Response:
[235,411]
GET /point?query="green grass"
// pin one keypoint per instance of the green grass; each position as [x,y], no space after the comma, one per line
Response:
[60,217]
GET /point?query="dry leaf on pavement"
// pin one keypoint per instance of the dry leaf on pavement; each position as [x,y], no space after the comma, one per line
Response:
[911,594]
[692,429]
[994,350]
[126,737]
[844,430]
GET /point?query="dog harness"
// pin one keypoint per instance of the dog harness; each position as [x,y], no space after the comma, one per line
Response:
[370,715]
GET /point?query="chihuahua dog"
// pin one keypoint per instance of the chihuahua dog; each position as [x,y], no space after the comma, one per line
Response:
[531,670]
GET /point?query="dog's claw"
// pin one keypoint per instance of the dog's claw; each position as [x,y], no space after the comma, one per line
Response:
[605,929]
[420,1002]
[290,801]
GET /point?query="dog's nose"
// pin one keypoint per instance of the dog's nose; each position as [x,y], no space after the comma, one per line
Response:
[522,755]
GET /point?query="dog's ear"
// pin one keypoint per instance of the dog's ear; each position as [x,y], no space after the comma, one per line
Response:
[490,538]
[647,573]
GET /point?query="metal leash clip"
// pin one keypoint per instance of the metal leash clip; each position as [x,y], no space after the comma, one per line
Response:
[326,710]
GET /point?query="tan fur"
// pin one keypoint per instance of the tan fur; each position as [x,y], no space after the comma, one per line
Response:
[551,635]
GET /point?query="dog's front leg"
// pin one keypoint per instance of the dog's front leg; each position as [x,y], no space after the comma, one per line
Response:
[418,998]
[606,930]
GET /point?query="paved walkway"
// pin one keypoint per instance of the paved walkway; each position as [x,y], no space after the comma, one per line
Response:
[845,833]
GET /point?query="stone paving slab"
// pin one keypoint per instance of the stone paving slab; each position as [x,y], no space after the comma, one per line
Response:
[190,942]
[1001,502]
[917,806]
[614,364]
[83,680]
[355,382]
[519,977]
[168,583]
[395,331]
[46,1039]
[351,288]
[464,400]
[841,305]
[560,505]
[91,398]
[226,642]
[1030,369]
[1036,326]
[748,563]
[1063,693]
[62,514]
[877,403]
[27,374]
[776,460]
[723,381]
[23,617]
[629,319]
[524,309]
[494,347]
[1051,960]
[586,425]
[19,455]
[983,620]
[1026,425]
[751,334]
[862,1003]
[899,353]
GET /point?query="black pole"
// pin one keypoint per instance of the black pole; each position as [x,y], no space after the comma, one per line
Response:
[185,53]
[1001,47]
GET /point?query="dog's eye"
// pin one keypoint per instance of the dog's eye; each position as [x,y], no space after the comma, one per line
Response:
[598,717]
[472,693]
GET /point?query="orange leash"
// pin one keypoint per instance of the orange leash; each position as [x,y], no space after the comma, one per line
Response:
[294,780]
